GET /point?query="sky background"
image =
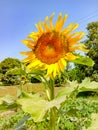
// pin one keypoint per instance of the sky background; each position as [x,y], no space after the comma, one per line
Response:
[18,19]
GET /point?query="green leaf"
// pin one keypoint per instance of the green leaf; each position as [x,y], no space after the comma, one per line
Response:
[87,85]
[35,106]
[22,127]
[21,123]
[84,61]
[56,102]
[69,88]
[7,102]
[8,99]
[16,71]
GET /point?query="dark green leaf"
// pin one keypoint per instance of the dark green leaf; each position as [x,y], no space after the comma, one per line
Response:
[20,125]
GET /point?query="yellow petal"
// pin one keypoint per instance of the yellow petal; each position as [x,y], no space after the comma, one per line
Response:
[50,69]
[82,47]
[55,70]
[46,19]
[46,27]
[35,63]
[72,49]
[39,27]
[26,59]
[29,58]
[64,20]
[27,53]
[71,27]
[63,61]
[75,34]
[51,23]
[29,43]
[61,65]
[58,23]
[34,35]
[70,57]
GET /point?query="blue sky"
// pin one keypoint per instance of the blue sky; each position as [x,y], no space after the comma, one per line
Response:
[18,19]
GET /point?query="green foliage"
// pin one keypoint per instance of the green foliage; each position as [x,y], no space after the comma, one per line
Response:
[23,121]
[92,33]
[36,76]
[8,71]
[66,117]
[92,44]
[8,102]
[73,115]
[11,79]
[59,81]
[15,75]
[94,77]
[76,114]
[34,80]
[8,64]
[76,74]
[8,122]
[70,92]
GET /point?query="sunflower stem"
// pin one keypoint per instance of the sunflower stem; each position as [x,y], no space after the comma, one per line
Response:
[52,110]
[51,89]
[52,119]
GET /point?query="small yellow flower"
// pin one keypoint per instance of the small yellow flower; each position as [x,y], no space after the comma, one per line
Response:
[52,45]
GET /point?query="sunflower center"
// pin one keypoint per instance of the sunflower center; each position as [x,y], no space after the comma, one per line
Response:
[50,47]
[49,50]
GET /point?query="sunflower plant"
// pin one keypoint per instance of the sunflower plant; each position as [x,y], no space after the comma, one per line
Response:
[51,47]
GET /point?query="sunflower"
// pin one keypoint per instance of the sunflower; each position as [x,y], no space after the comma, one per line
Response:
[52,45]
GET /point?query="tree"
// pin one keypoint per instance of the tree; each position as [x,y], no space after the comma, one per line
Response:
[7,74]
[8,64]
[76,74]
[92,45]
[13,72]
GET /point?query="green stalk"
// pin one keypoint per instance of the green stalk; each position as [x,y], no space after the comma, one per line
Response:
[52,119]
[52,110]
